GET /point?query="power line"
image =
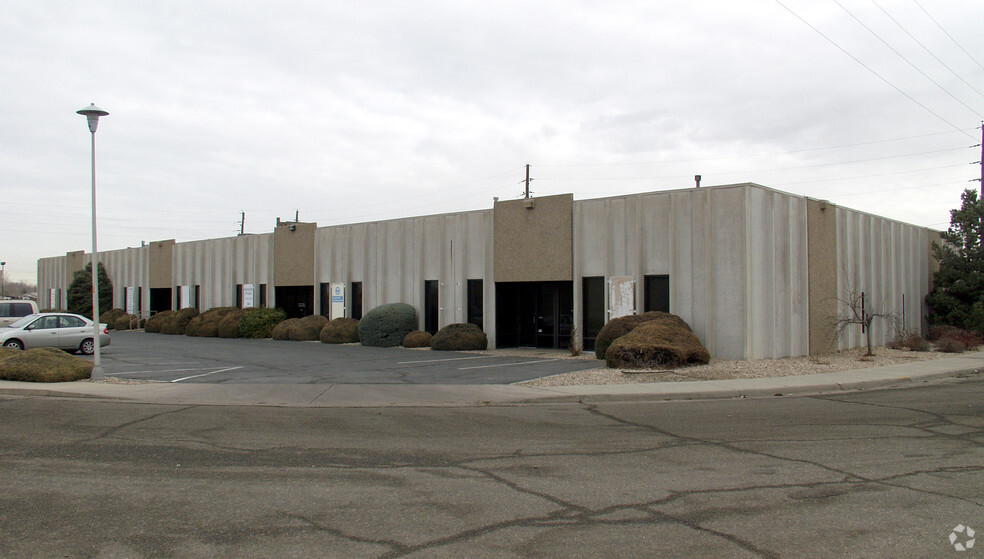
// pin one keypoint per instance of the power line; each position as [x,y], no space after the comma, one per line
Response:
[907,61]
[948,35]
[925,48]
[868,68]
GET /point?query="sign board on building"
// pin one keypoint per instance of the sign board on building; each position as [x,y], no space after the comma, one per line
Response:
[248,290]
[129,300]
[337,300]
[621,296]
[185,296]
[53,299]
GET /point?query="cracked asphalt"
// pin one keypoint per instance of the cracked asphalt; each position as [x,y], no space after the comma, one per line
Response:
[885,473]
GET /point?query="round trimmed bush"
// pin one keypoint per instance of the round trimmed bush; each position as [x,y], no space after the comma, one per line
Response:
[417,338]
[259,322]
[460,337]
[228,326]
[387,325]
[126,322]
[618,327]
[305,329]
[156,322]
[111,316]
[177,323]
[664,342]
[206,325]
[340,331]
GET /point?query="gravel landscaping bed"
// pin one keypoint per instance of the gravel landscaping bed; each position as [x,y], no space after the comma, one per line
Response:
[757,368]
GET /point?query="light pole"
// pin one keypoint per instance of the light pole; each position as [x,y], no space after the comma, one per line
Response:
[92,114]
[3,280]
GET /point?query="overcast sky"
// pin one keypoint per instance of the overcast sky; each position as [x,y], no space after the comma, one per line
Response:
[361,111]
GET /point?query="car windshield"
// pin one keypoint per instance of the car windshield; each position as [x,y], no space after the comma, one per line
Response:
[23,322]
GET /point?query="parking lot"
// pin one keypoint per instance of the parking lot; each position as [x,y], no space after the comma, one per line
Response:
[162,358]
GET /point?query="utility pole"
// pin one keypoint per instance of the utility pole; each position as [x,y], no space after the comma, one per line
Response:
[527,180]
[242,225]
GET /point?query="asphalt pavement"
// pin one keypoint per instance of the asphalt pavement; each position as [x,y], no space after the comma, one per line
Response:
[331,395]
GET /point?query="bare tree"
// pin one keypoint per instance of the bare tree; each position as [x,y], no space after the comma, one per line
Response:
[859,313]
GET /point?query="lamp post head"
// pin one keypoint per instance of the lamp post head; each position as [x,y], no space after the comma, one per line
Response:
[92,114]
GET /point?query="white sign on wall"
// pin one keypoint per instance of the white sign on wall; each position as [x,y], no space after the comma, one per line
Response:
[185,296]
[248,291]
[53,301]
[621,296]
[337,300]
[129,300]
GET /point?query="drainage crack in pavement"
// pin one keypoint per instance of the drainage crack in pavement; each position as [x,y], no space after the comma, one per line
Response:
[120,427]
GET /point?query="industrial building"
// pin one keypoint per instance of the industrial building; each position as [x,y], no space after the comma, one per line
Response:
[756,272]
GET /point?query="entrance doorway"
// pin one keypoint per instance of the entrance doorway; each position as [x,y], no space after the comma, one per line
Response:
[534,314]
[160,299]
[296,300]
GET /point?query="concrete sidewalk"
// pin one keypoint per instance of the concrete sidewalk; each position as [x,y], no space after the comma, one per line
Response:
[384,395]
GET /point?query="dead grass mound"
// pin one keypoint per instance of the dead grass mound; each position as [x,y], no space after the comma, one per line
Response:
[656,344]
[618,327]
[43,364]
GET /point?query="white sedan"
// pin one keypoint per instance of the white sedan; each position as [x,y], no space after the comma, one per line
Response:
[70,332]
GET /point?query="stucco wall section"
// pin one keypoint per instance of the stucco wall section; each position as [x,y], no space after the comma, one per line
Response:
[293,253]
[822,233]
[533,239]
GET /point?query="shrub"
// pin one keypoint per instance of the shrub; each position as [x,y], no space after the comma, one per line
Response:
[228,326]
[155,322]
[259,322]
[912,342]
[340,331]
[206,325]
[387,325]
[43,364]
[460,337]
[664,342]
[127,322]
[177,323]
[950,345]
[305,329]
[618,327]
[111,316]
[417,338]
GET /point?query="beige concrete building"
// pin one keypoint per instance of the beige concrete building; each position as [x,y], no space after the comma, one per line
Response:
[756,272]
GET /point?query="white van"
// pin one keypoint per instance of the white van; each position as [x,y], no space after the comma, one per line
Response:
[13,309]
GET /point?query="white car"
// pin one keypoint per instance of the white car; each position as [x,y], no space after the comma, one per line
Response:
[70,332]
[13,309]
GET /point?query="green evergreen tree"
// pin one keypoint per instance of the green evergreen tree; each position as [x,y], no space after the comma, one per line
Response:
[957,298]
[80,292]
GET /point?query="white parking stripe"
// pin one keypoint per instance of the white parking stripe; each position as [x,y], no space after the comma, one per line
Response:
[449,359]
[206,374]
[507,364]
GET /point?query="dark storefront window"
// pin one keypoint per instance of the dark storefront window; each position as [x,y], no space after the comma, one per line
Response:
[357,300]
[431,305]
[476,297]
[657,296]
[593,308]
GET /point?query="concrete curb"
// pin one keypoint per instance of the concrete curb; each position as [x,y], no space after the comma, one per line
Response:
[390,395]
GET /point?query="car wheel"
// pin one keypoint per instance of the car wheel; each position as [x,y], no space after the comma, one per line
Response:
[87,347]
[13,344]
